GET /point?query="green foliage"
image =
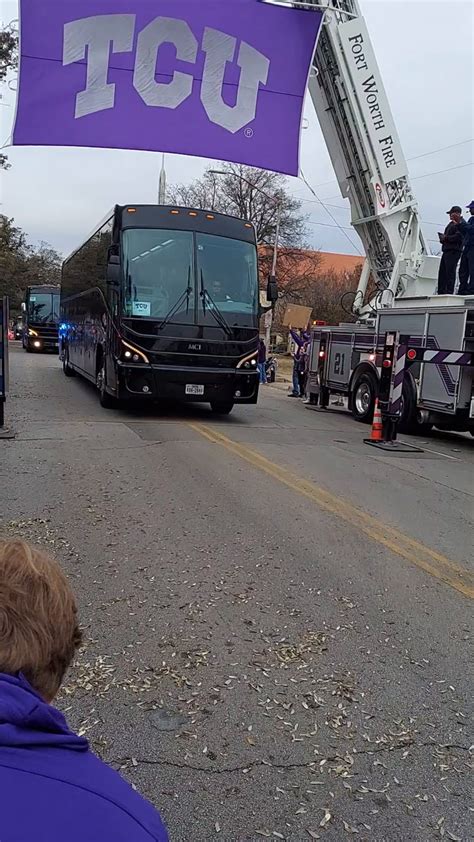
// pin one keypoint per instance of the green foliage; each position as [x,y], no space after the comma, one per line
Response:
[21,264]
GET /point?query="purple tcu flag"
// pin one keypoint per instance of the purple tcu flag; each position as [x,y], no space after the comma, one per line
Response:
[216,78]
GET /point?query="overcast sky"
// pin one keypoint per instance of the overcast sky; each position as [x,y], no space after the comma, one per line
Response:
[424,49]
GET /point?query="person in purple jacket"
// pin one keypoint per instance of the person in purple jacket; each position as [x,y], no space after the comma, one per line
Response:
[300,339]
[261,360]
[52,787]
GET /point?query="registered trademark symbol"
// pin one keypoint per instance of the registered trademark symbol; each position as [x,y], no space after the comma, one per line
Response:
[248,132]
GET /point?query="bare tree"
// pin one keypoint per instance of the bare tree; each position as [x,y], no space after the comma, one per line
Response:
[330,294]
[8,50]
[237,193]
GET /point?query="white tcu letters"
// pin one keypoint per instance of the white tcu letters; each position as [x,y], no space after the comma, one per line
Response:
[162,31]
[106,34]
[254,66]
[97,33]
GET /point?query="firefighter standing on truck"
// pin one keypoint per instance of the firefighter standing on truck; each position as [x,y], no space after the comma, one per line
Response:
[466,267]
[451,246]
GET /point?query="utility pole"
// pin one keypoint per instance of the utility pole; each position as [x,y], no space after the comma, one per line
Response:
[269,314]
[162,183]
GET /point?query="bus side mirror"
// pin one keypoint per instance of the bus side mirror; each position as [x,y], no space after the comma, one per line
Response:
[23,307]
[272,289]
[113,270]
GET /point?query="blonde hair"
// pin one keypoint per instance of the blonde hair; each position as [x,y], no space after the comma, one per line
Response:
[39,631]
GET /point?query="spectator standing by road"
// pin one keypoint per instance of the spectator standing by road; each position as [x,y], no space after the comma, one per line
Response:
[303,369]
[466,267]
[52,786]
[261,359]
[451,246]
[300,339]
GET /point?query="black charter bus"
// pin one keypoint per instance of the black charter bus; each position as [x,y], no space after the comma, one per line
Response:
[41,318]
[162,303]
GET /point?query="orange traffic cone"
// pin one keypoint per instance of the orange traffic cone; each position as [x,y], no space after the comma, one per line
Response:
[377,426]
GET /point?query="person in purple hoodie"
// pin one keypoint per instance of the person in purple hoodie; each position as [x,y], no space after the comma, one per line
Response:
[301,340]
[52,787]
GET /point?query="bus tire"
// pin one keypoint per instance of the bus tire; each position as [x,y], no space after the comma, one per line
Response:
[106,401]
[68,371]
[222,407]
[364,394]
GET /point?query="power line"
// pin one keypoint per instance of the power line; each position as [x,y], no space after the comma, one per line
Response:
[441,149]
[350,228]
[328,225]
[337,224]
[413,178]
[319,201]
[438,172]
[413,157]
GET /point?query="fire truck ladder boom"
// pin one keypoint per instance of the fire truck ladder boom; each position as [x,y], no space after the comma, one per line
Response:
[361,137]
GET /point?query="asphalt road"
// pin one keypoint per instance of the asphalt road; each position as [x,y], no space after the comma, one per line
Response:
[277,616]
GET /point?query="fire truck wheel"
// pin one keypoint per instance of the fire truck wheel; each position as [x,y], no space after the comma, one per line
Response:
[364,393]
[411,418]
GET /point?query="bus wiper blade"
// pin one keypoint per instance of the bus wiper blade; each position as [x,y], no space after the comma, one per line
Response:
[203,294]
[213,308]
[184,297]
[218,315]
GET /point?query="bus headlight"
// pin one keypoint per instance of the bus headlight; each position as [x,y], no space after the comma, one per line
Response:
[133,355]
[249,363]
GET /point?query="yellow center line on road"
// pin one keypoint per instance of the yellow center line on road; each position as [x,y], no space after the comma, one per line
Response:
[415,552]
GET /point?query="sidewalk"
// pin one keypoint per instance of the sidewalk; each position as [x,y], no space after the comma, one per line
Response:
[280,384]
[284,373]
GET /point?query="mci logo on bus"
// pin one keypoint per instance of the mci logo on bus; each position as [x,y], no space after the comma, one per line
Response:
[99,39]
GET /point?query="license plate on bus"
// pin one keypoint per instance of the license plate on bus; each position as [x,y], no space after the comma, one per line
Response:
[192,389]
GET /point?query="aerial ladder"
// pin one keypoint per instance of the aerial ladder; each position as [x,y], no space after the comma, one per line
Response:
[362,140]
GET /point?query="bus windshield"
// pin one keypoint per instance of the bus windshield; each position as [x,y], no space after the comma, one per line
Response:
[227,270]
[159,273]
[160,280]
[43,307]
